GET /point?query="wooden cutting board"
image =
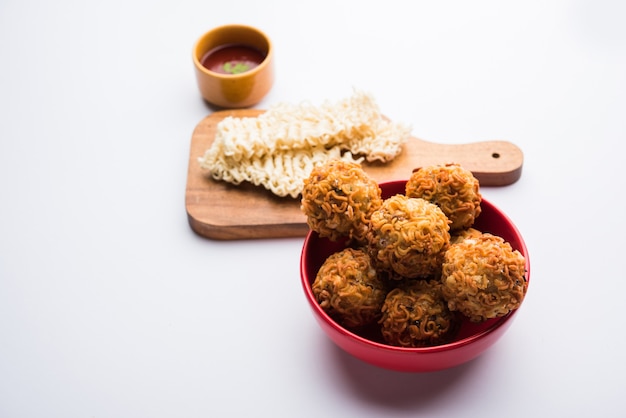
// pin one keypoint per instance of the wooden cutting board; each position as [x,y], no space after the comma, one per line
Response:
[223,211]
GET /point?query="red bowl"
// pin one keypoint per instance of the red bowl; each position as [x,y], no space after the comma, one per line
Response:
[472,340]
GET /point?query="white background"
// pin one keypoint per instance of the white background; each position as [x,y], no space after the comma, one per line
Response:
[110,305]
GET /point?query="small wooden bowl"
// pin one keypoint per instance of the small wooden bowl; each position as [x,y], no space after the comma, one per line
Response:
[245,73]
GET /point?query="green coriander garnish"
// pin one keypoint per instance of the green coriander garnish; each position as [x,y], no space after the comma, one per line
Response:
[237,68]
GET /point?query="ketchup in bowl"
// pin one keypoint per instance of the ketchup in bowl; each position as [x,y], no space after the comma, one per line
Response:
[232,59]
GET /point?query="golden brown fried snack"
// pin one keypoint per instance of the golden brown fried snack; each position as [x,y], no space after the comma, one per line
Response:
[462,234]
[483,277]
[348,288]
[408,236]
[416,315]
[338,198]
[454,189]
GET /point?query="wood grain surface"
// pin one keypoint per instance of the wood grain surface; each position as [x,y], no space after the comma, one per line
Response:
[222,211]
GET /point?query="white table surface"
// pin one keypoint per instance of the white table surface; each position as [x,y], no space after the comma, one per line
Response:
[110,305]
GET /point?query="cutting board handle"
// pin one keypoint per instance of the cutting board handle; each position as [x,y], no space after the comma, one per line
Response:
[493,163]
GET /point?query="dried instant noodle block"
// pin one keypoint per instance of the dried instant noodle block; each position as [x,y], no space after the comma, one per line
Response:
[277,149]
[408,236]
[347,287]
[338,199]
[451,187]
[483,277]
[415,314]
[282,173]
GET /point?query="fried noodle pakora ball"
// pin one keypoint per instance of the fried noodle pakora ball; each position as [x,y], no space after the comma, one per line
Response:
[408,236]
[483,277]
[454,189]
[338,198]
[348,288]
[416,315]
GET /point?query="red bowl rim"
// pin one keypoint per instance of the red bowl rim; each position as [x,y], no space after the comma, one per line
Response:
[492,327]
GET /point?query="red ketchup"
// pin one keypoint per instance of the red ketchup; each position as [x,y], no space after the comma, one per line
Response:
[232,59]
